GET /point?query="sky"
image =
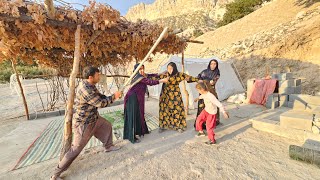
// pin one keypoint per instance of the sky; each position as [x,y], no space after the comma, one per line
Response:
[120,5]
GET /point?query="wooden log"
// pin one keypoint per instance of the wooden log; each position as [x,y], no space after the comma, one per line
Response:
[21,89]
[67,138]
[194,41]
[78,76]
[184,88]
[307,155]
[162,35]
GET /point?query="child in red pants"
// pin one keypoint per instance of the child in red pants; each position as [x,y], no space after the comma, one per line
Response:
[208,115]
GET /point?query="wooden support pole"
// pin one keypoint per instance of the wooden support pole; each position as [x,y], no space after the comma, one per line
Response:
[162,35]
[21,89]
[184,86]
[78,76]
[67,138]
[48,4]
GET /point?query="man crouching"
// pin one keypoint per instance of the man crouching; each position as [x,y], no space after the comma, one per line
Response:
[86,120]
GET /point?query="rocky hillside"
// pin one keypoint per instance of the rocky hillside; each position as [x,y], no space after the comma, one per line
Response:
[184,14]
[282,35]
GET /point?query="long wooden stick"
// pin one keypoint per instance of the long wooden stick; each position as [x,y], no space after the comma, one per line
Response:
[48,4]
[21,89]
[67,138]
[184,86]
[164,32]
[78,76]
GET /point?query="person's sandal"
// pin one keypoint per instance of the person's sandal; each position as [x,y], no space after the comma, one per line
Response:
[210,142]
[113,148]
[137,140]
[201,134]
[55,178]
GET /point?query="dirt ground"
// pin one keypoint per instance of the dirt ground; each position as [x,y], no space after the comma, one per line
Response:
[241,153]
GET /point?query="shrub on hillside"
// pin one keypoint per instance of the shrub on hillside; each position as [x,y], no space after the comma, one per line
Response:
[238,9]
[197,33]
[26,70]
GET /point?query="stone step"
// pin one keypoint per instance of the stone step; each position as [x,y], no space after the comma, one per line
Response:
[313,108]
[296,120]
[271,126]
[307,99]
[297,105]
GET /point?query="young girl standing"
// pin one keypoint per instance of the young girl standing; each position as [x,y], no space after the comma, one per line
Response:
[209,114]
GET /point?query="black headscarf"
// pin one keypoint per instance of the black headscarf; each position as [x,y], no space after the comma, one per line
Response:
[174,72]
[209,74]
[138,75]
[175,69]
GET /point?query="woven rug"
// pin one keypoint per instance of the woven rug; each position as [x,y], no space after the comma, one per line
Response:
[48,144]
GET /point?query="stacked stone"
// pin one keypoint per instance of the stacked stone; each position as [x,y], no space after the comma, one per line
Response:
[286,85]
[306,114]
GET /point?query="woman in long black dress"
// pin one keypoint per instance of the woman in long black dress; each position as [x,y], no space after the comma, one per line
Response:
[210,76]
[134,123]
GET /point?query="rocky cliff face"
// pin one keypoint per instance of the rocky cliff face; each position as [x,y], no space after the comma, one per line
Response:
[180,13]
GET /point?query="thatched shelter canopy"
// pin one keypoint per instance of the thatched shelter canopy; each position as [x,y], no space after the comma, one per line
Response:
[31,31]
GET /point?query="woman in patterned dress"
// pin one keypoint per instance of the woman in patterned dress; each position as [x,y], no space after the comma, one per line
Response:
[210,76]
[172,113]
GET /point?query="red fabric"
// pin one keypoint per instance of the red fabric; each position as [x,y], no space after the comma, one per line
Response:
[210,120]
[261,90]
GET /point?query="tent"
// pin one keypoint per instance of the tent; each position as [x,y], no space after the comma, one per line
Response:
[228,84]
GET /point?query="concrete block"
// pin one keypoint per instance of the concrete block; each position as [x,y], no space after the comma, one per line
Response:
[287,90]
[285,76]
[286,83]
[297,90]
[272,105]
[283,103]
[307,155]
[296,120]
[308,99]
[274,76]
[297,82]
[273,127]
[284,97]
[273,97]
[297,105]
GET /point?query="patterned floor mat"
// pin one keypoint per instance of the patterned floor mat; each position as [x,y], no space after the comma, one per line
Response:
[48,144]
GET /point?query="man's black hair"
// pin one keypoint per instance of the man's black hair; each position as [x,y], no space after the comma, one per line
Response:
[89,71]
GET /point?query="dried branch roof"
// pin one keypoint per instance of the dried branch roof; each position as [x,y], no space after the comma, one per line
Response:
[26,32]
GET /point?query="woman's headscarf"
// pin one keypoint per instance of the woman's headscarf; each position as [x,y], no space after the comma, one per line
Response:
[174,72]
[209,74]
[175,69]
[138,75]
